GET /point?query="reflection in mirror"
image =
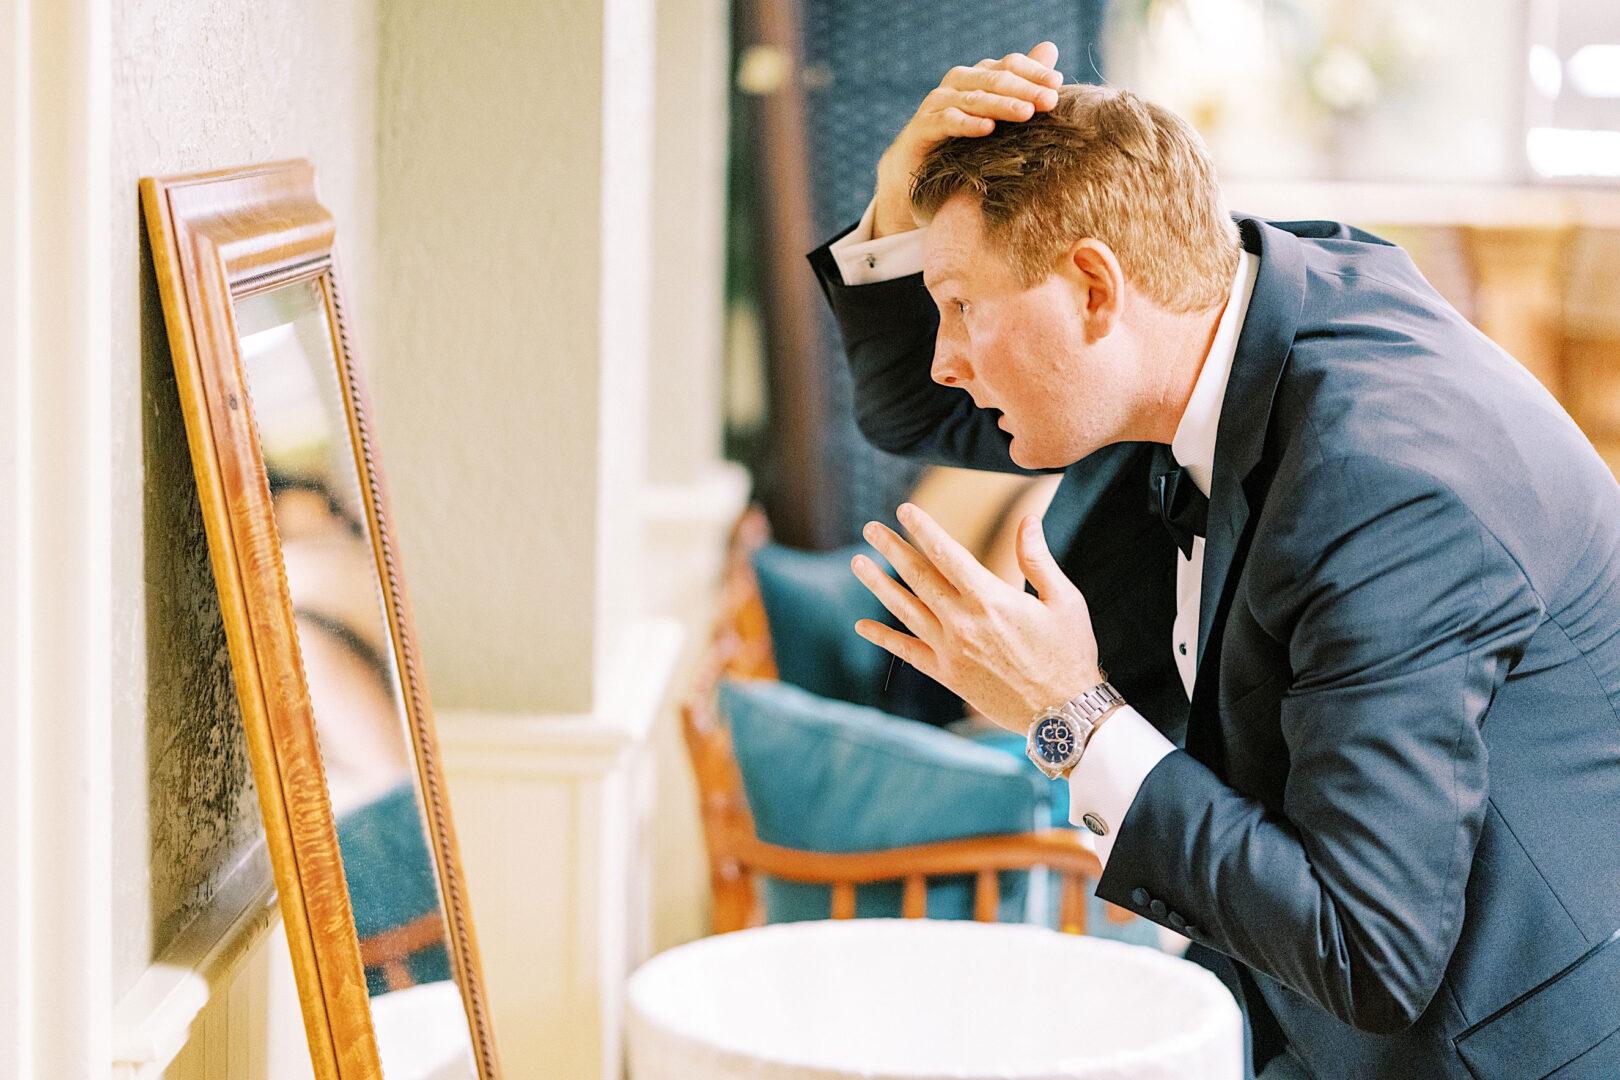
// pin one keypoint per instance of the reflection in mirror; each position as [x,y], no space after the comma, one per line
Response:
[291,370]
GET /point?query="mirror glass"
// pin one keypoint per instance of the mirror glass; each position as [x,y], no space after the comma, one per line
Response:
[290,367]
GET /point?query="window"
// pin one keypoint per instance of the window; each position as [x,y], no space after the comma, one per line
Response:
[1572,92]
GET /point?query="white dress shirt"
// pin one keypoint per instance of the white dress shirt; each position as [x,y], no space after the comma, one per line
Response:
[1126,748]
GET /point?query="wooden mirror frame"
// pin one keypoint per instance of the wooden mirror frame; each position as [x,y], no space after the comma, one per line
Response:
[217,237]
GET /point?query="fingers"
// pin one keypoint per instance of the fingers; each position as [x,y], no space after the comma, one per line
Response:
[969,99]
[968,102]
[954,111]
[961,571]
[921,576]
[902,604]
[1045,54]
[1002,87]
[990,105]
[1039,66]
[1035,560]
[907,648]
[1032,68]
[954,122]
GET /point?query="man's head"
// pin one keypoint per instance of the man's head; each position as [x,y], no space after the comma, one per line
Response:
[1078,260]
[1105,164]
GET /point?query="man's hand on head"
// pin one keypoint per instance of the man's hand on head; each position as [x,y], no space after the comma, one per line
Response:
[967,102]
[1007,653]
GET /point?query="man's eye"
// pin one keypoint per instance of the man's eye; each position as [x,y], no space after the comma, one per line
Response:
[961,306]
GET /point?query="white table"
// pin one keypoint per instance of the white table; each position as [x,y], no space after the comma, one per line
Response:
[884,999]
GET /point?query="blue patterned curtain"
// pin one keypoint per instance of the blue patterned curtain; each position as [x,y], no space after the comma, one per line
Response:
[866,65]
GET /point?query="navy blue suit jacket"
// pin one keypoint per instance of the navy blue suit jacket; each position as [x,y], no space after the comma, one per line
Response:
[1397,803]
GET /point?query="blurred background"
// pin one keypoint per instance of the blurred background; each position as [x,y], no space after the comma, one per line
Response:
[1484,137]
[573,239]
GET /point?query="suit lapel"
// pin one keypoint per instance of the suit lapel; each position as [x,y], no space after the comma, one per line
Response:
[1119,555]
[1268,335]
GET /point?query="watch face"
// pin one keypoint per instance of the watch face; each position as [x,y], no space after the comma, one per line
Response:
[1054,740]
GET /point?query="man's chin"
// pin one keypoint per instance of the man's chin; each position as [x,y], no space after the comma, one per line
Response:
[1026,456]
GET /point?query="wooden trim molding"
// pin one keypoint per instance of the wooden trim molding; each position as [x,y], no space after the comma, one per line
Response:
[583,746]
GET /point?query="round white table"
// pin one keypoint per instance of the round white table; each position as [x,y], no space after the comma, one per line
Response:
[891,999]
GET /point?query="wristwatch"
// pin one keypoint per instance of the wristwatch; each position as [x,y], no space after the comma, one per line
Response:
[1058,736]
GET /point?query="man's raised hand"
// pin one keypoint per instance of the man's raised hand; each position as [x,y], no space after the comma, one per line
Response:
[968,101]
[1005,652]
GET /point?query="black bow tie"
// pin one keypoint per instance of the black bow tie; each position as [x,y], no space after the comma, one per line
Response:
[1173,495]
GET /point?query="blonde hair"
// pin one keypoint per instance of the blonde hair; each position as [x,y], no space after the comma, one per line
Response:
[1104,164]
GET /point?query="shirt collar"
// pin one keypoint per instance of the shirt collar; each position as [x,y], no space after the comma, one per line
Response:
[1194,442]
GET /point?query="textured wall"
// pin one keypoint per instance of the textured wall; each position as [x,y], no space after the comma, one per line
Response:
[507,390]
[202,85]
[689,208]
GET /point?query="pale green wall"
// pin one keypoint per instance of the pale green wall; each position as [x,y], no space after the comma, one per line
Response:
[514,195]
[202,84]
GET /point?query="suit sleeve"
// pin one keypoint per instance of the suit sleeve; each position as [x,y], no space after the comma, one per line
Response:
[888,334]
[1394,616]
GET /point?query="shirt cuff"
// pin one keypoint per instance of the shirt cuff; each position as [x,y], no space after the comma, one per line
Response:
[865,261]
[1105,782]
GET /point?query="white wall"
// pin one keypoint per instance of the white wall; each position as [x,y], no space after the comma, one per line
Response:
[55,477]
[499,347]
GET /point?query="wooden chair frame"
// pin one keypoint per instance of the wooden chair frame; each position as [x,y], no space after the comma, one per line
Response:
[740,648]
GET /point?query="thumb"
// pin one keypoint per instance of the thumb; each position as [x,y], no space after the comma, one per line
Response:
[1037,563]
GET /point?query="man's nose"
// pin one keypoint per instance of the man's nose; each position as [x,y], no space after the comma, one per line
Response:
[950,367]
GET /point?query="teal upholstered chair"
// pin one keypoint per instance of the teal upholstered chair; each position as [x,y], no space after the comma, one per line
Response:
[847,796]
[812,601]
[394,892]
[829,776]
[824,774]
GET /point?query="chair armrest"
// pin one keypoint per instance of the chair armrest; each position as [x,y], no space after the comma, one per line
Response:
[984,856]
[1060,849]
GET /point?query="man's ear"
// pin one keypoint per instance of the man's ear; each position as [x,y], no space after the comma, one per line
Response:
[1094,271]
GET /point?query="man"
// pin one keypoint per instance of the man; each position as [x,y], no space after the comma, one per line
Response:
[1397,617]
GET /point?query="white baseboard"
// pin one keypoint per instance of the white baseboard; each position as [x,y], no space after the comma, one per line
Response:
[552,816]
[548,746]
[157,1017]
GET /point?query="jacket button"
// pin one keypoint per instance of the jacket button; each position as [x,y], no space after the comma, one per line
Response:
[1158,908]
[1177,923]
[1139,897]
[1191,932]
